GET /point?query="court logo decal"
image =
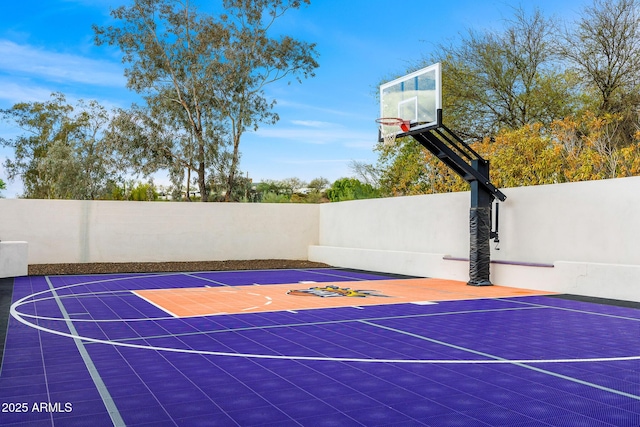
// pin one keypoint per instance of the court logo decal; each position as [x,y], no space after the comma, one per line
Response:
[335,291]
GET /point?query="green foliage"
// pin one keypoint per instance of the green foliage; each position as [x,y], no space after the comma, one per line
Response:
[242,190]
[403,168]
[203,79]
[115,191]
[3,186]
[543,107]
[143,193]
[496,80]
[351,189]
[319,184]
[292,190]
[62,153]
[604,51]
[272,191]
[267,186]
[271,197]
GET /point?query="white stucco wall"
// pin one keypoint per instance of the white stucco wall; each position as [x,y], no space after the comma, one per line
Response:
[596,221]
[433,223]
[587,233]
[68,231]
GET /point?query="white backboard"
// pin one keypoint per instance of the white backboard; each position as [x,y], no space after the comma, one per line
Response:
[416,97]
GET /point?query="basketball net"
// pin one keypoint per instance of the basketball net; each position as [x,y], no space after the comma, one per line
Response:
[389,128]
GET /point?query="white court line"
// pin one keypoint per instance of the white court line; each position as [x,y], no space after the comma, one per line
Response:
[494,357]
[21,318]
[169,312]
[335,275]
[322,358]
[205,279]
[575,310]
[107,399]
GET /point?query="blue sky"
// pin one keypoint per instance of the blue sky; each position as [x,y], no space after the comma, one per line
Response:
[325,122]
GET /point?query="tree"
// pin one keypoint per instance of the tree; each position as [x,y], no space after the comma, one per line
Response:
[524,156]
[402,169]
[537,124]
[292,185]
[589,151]
[350,189]
[494,80]
[3,186]
[144,192]
[271,197]
[203,80]
[365,172]
[406,169]
[253,61]
[604,50]
[575,149]
[62,152]
[318,184]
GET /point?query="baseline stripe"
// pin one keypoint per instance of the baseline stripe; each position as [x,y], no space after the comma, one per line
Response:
[109,404]
[205,279]
[574,310]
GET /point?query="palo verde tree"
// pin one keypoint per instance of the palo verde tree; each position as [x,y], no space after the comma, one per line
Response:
[202,78]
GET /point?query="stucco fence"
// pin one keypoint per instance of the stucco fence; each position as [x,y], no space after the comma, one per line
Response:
[581,238]
[70,231]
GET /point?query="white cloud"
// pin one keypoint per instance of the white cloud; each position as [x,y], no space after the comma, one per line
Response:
[61,67]
[356,114]
[339,135]
[314,123]
[23,90]
[15,92]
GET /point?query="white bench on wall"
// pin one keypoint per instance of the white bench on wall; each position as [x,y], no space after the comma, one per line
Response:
[13,259]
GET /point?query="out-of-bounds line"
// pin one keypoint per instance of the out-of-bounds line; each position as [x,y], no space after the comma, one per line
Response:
[336,275]
[109,404]
[575,310]
[513,362]
[205,279]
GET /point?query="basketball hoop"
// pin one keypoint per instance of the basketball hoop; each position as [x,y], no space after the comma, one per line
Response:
[389,136]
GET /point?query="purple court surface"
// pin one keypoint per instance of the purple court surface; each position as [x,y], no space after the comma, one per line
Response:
[87,350]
